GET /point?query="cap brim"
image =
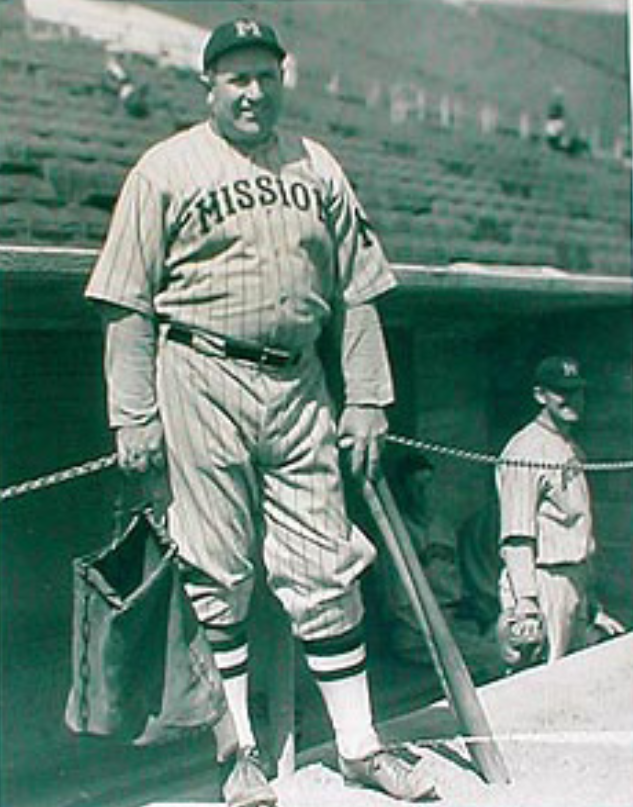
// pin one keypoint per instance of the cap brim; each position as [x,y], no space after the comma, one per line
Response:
[277,50]
[568,386]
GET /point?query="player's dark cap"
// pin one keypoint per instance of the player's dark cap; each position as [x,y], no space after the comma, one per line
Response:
[242,33]
[559,374]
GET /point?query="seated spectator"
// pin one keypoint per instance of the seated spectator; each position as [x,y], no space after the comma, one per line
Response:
[559,130]
[132,95]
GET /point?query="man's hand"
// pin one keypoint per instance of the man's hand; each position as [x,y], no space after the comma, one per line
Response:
[527,607]
[141,448]
[362,430]
[528,624]
[521,633]
[141,452]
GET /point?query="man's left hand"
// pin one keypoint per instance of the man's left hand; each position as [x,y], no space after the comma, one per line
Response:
[362,430]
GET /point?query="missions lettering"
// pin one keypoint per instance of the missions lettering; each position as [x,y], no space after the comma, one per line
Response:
[214,206]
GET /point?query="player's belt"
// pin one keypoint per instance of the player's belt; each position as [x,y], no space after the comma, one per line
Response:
[229,348]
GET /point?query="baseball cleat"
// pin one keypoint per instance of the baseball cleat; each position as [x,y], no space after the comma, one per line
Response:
[386,772]
[247,785]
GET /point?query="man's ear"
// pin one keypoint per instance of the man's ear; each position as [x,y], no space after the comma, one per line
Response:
[539,395]
[206,80]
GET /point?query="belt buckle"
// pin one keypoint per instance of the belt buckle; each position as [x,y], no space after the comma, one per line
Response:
[222,346]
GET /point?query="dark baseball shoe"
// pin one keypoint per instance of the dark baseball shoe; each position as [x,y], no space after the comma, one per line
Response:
[247,785]
[385,771]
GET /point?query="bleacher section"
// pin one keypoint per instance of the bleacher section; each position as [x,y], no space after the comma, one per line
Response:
[437,194]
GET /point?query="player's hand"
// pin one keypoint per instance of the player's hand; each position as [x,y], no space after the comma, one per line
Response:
[141,453]
[521,634]
[528,626]
[362,431]
[527,607]
[141,448]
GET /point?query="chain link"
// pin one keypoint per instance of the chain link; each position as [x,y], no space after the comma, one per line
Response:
[477,457]
[65,475]
[491,459]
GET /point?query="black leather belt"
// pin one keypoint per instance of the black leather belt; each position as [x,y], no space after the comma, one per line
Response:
[229,348]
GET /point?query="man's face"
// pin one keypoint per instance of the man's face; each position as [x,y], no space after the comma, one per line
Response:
[563,408]
[246,88]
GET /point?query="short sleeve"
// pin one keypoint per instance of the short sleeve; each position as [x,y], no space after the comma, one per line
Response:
[518,488]
[129,269]
[363,270]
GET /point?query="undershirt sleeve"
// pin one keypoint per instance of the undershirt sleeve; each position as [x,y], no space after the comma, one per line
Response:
[365,363]
[129,270]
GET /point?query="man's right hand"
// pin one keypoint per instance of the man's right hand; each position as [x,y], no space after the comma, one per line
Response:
[521,633]
[528,622]
[141,452]
[141,448]
[526,607]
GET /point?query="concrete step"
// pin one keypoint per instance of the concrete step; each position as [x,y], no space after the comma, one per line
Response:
[565,732]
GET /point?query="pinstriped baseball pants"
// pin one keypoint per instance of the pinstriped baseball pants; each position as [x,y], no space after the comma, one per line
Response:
[253,466]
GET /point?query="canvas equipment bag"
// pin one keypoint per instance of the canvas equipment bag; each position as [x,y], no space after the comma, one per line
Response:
[142,668]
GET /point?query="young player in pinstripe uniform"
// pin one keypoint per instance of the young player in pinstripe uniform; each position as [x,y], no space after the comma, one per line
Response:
[547,539]
[231,249]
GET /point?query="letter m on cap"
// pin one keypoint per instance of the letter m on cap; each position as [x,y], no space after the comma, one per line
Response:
[244,28]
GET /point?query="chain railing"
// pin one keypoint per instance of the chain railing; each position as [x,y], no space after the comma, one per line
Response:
[453,452]
[492,459]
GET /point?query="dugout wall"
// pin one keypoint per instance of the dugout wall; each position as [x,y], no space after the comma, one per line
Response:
[463,346]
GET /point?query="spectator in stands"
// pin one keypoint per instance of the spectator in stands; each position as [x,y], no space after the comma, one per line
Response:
[546,531]
[560,133]
[133,95]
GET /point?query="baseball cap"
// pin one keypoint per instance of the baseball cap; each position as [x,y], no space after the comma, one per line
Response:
[559,374]
[241,33]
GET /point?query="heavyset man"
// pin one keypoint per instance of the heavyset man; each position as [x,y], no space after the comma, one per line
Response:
[231,249]
[547,539]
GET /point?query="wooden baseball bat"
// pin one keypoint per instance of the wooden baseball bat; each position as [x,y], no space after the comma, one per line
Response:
[447,658]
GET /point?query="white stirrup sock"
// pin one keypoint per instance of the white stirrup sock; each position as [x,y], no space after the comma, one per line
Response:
[236,690]
[230,651]
[349,708]
[338,666]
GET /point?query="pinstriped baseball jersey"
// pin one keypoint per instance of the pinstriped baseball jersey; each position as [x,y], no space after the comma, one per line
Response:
[256,246]
[552,506]
[261,246]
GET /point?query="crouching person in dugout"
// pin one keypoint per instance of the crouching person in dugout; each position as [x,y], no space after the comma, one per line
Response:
[232,247]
